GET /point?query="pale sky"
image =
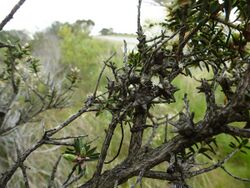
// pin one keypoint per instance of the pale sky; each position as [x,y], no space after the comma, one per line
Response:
[121,15]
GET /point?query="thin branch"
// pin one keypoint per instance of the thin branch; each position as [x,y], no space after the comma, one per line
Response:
[166,130]
[23,168]
[161,37]
[52,177]
[105,147]
[160,175]
[235,177]
[100,75]
[151,137]
[216,165]
[125,55]
[139,179]
[235,131]
[9,173]
[58,143]
[25,177]
[108,138]
[68,121]
[68,137]
[74,179]
[70,175]
[161,43]
[139,27]
[120,147]
[11,14]
[229,24]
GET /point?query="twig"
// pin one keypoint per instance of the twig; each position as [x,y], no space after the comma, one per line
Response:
[235,177]
[23,168]
[105,147]
[25,177]
[229,24]
[52,177]
[57,143]
[139,179]
[70,175]
[161,37]
[120,147]
[9,173]
[116,184]
[11,14]
[162,42]
[109,134]
[100,75]
[216,165]
[67,122]
[151,137]
[139,27]
[160,175]
[235,131]
[166,130]
[125,55]
[76,178]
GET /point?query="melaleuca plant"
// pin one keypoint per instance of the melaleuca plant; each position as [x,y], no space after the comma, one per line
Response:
[80,154]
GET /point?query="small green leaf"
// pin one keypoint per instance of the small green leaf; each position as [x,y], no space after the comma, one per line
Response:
[242,151]
[206,155]
[91,151]
[203,150]
[232,145]
[70,157]
[247,147]
[94,156]
[244,142]
[192,149]
[237,139]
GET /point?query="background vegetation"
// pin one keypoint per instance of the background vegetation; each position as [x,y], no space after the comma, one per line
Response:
[69,46]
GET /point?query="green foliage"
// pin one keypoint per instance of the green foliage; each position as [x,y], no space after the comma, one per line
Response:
[81,153]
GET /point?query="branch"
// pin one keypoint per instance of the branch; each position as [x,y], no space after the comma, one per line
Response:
[51,132]
[235,131]
[120,146]
[229,24]
[160,175]
[139,121]
[100,75]
[23,169]
[70,175]
[216,165]
[52,177]
[75,179]
[139,179]
[235,177]
[139,28]
[9,173]
[109,134]
[11,14]
[105,146]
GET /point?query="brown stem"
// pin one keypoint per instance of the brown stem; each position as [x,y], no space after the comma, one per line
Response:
[11,14]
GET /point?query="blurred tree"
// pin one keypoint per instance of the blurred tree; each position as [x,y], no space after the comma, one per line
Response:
[107,31]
